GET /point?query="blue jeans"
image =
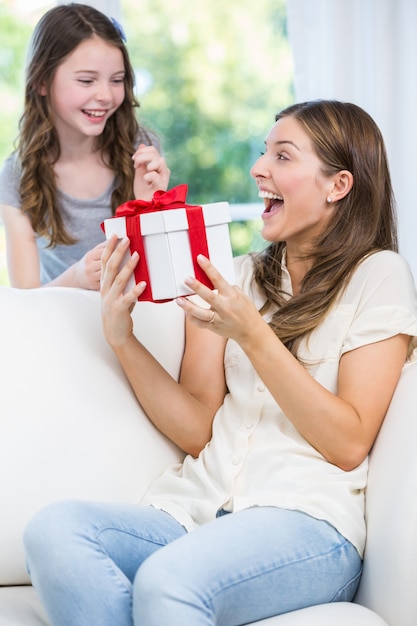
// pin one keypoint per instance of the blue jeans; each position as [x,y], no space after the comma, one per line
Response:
[96,564]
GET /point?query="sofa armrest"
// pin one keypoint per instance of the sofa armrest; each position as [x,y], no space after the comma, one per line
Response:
[389,579]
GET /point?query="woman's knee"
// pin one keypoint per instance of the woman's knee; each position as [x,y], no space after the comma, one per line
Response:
[157,576]
[51,529]
[152,576]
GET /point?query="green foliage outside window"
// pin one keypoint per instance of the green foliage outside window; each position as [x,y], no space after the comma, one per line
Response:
[14,36]
[213,75]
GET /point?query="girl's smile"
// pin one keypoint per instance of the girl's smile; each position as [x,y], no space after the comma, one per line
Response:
[94,115]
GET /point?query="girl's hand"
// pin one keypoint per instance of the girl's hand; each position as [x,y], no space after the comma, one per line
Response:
[230,314]
[88,269]
[151,172]
[117,303]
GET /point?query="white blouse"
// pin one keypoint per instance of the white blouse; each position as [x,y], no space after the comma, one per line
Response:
[256,457]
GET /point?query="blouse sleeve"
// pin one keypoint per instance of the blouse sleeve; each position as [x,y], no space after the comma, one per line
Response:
[384,291]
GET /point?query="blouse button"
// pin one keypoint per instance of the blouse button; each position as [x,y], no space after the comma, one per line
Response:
[249,425]
[261,387]
[236,460]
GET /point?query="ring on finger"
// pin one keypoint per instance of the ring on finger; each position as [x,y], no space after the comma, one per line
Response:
[211,320]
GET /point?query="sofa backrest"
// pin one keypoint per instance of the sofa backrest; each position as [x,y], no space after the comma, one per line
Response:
[70,426]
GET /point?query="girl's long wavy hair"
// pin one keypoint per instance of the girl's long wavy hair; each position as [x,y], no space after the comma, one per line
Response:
[345,137]
[56,35]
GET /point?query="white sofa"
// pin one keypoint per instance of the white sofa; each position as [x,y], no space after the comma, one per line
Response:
[71,427]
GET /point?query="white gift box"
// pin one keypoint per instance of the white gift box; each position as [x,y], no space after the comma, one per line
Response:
[166,239]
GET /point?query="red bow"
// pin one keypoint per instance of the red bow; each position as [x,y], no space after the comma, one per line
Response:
[172,199]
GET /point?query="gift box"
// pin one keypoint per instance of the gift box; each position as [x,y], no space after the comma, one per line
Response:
[168,234]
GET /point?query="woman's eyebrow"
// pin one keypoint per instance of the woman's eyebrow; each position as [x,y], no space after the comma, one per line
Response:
[286,141]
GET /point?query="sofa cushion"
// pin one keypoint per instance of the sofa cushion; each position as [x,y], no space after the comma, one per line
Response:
[20,606]
[71,425]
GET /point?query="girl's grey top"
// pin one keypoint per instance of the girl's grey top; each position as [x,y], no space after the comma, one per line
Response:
[82,219]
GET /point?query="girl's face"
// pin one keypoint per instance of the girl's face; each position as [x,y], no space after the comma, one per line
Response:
[87,88]
[290,180]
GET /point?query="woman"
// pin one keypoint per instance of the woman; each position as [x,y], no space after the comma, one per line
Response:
[285,381]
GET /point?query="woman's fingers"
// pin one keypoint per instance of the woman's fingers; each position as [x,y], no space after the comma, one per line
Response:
[207,316]
[109,248]
[221,286]
[115,272]
[111,260]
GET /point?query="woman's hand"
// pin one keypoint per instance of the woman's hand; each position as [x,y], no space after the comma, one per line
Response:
[182,411]
[151,172]
[117,303]
[230,314]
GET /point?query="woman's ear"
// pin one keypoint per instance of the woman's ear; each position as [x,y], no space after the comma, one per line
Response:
[342,184]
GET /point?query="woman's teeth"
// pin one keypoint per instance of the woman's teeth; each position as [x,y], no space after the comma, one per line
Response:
[269,195]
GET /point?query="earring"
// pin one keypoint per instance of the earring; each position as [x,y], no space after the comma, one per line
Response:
[329,199]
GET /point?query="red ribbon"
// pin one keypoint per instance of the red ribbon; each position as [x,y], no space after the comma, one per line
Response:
[162,201]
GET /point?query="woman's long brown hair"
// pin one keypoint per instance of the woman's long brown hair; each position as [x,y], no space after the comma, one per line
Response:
[345,137]
[56,35]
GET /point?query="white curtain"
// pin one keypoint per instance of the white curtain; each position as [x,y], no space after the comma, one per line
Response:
[365,51]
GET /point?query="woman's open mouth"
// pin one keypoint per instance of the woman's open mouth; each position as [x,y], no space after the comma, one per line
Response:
[273,202]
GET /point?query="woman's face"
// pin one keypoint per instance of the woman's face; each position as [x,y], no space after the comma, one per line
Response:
[290,180]
[87,88]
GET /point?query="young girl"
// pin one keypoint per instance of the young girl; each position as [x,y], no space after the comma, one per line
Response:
[73,165]
[285,381]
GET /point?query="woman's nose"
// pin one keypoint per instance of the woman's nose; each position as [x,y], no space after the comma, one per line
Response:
[258,168]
